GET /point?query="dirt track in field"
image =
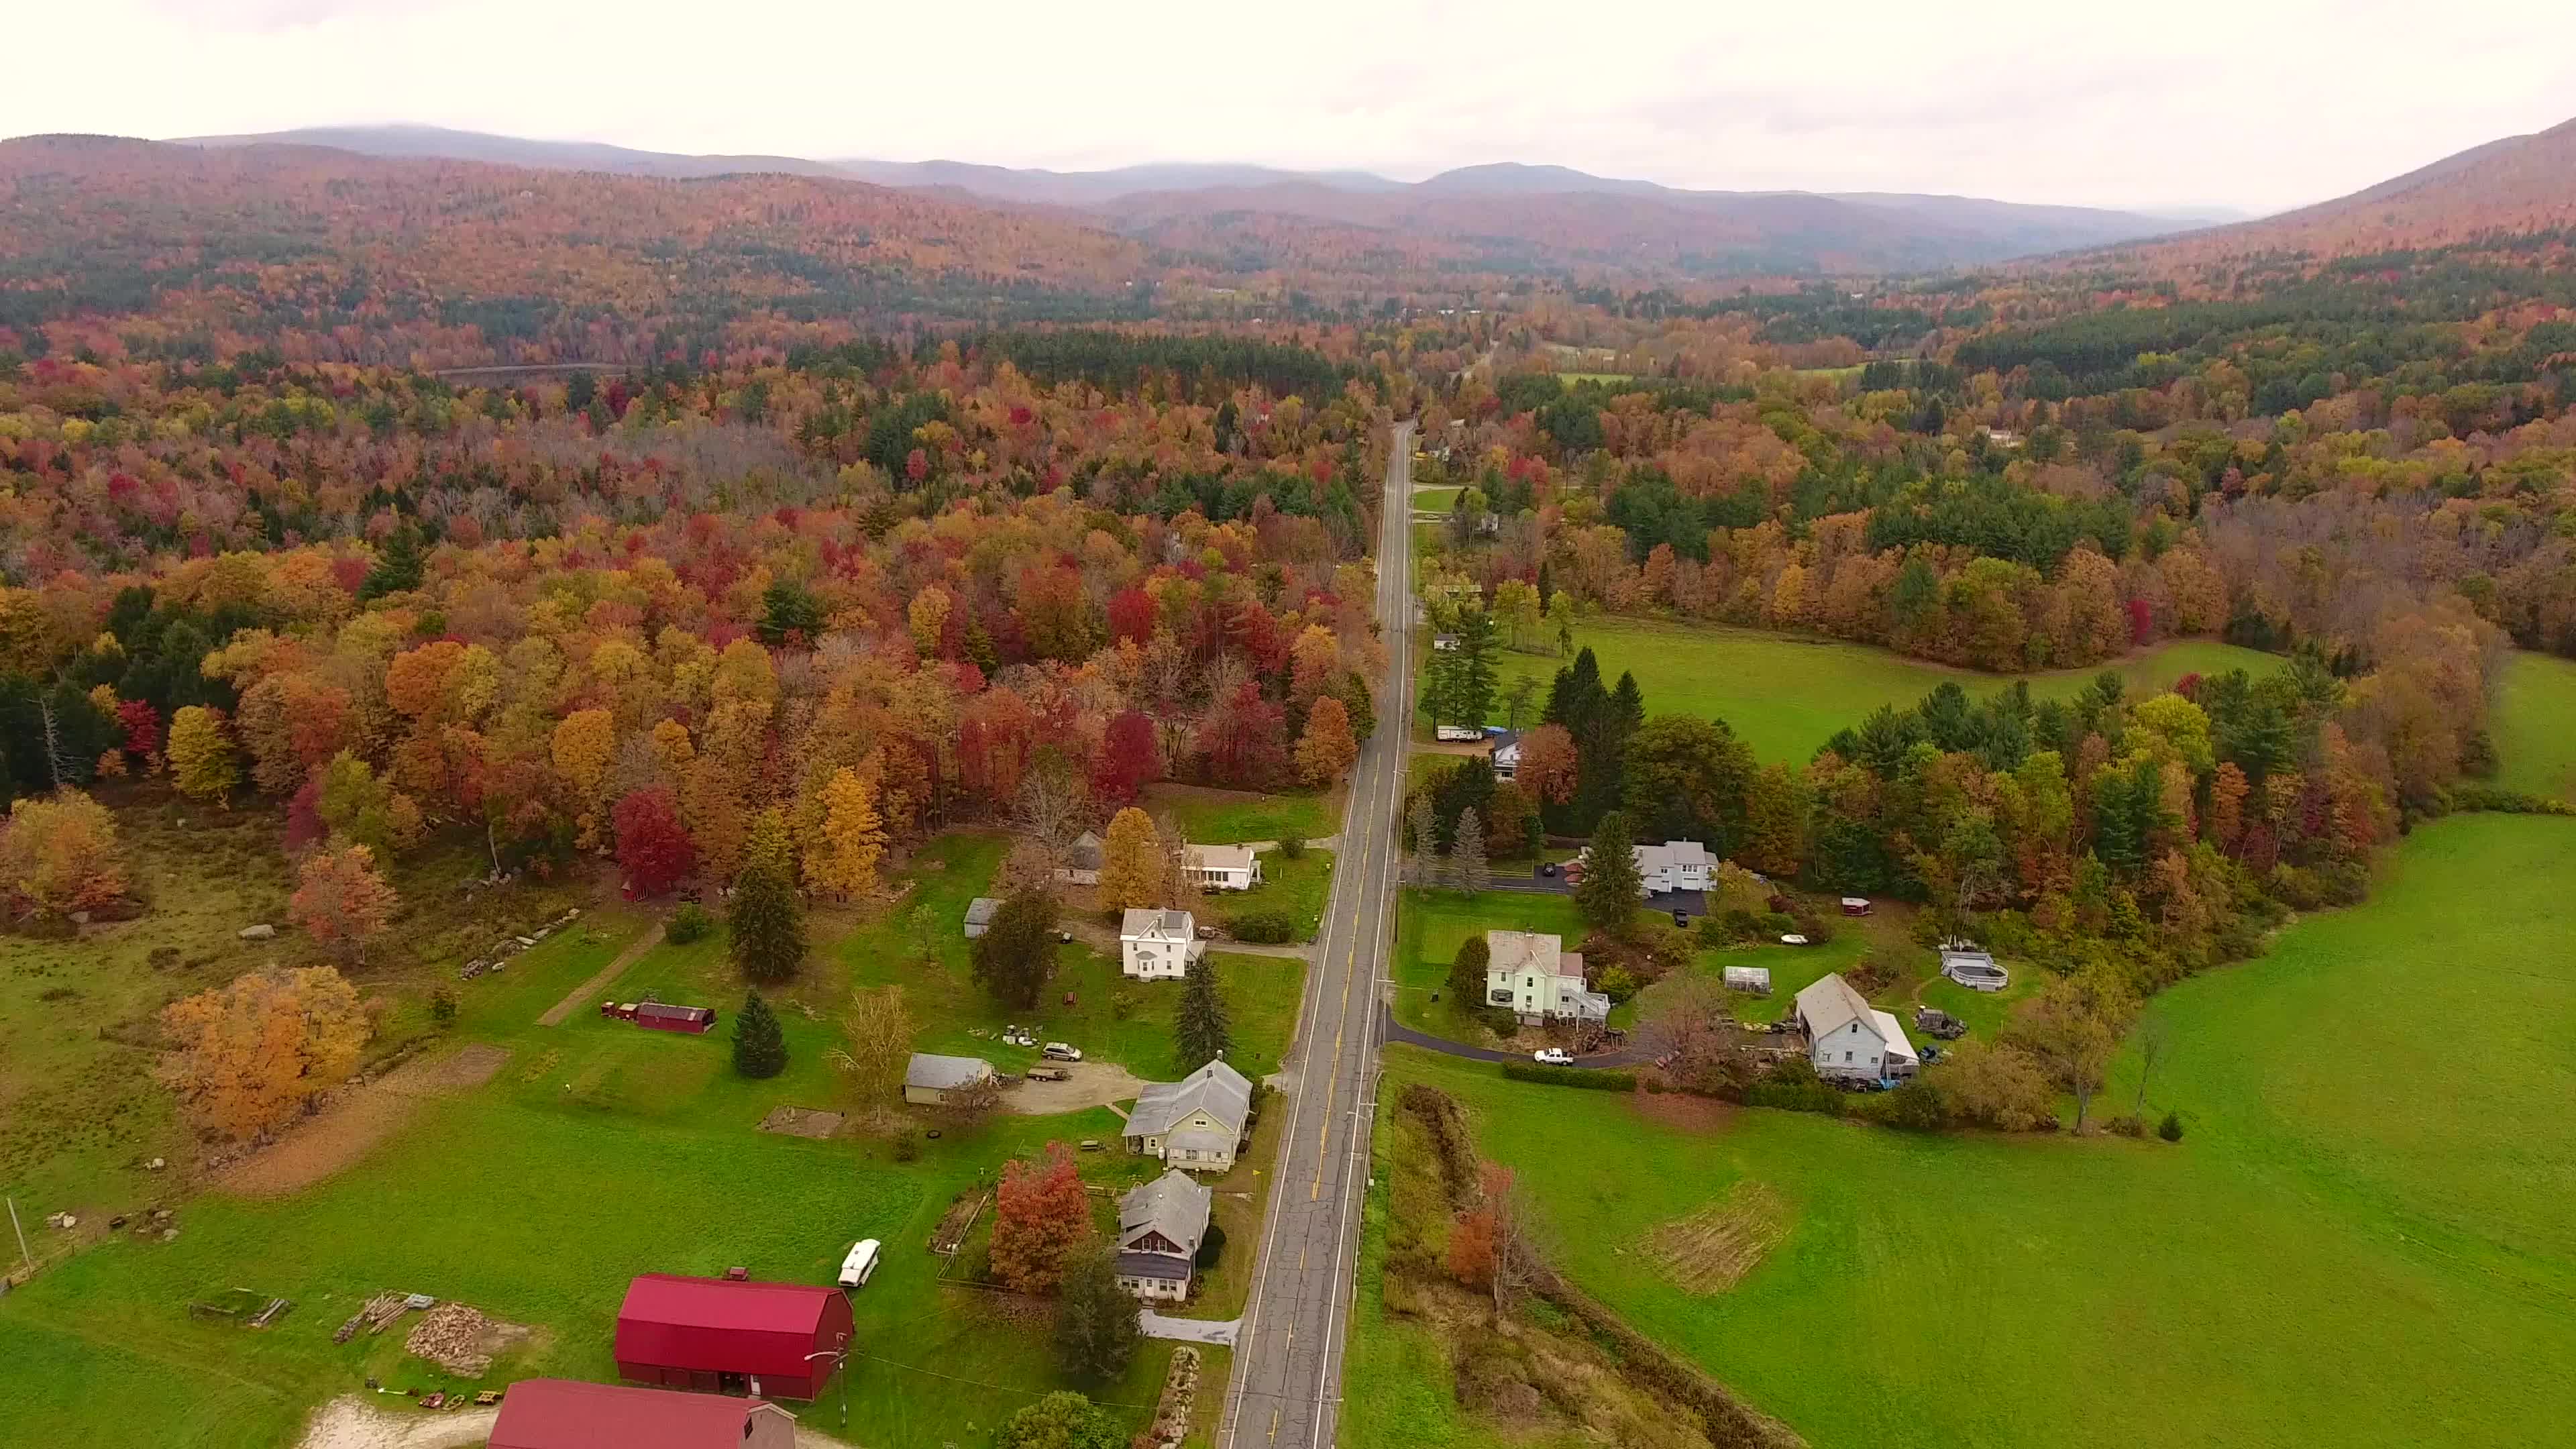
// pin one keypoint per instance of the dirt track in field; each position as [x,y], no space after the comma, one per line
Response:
[587,993]
[353,1126]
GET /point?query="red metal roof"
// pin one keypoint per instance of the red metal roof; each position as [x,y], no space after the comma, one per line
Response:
[565,1414]
[664,1011]
[722,1326]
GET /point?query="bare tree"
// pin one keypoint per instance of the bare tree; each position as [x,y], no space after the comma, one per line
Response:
[879,1028]
[1054,805]
[1178,887]
[1516,1262]
[2153,1039]
[1468,870]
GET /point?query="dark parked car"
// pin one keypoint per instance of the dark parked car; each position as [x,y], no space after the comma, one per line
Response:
[1548,869]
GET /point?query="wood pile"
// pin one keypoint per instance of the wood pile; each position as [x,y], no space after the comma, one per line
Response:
[453,1337]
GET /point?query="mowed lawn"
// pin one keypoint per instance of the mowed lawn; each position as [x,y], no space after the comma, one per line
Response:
[2535,726]
[1787,694]
[1230,817]
[597,1151]
[2362,1240]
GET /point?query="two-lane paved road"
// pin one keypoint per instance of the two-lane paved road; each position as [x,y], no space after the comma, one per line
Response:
[1287,1382]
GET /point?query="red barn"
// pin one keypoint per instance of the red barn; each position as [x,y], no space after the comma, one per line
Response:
[714,1333]
[565,1414]
[662,1016]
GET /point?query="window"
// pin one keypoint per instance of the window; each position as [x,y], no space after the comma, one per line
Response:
[1847,1056]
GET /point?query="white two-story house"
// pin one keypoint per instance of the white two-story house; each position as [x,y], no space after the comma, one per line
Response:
[1675,865]
[1537,979]
[1848,1038]
[1157,945]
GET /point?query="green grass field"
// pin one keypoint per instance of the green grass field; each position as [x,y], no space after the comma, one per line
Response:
[1231,817]
[2533,736]
[1786,695]
[1435,500]
[2361,1241]
[600,1150]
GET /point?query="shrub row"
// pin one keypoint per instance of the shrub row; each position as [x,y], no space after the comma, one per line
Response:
[1265,928]
[1588,1078]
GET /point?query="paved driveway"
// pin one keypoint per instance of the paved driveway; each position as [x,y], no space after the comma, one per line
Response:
[1630,1053]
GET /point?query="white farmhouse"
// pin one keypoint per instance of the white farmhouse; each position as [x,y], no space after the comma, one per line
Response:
[1157,945]
[1195,1123]
[1224,867]
[1849,1039]
[1538,979]
[1160,1226]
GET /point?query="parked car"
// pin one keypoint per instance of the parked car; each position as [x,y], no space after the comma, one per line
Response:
[1549,869]
[1793,939]
[1056,1051]
[1551,1057]
[1682,919]
[1047,1074]
[1932,1054]
[861,1262]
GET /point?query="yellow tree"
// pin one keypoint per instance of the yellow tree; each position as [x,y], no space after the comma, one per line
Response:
[853,837]
[929,619]
[201,755]
[584,745]
[1327,748]
[59,855]
[1131,861]
[247,1056]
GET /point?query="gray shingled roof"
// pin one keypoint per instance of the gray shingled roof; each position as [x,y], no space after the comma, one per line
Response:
[1217,1088]
[940,1073]
[1173,1204]
[1084,853]
[1168,925]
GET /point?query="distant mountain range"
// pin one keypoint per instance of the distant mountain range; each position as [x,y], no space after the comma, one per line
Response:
[2516,186]
[1506,216]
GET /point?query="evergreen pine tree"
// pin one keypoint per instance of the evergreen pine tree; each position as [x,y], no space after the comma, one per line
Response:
[1472,690]
[1468,870]
[1425,843]
[759,1047]
[1201,1026]
[1609,892]
[767,916]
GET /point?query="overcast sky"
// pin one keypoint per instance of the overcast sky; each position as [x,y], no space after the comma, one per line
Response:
[2251,104]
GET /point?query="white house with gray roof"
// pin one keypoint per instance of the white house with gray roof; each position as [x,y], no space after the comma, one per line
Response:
[1160,1226]
[1196,1123]
[1156,945]
[1850,1039]
[1535,977]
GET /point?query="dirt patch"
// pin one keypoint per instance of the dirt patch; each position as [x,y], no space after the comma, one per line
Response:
[1089,1084]
[1684,1110]
[1711,1250]
[461,1340]
[956,1222]
[587,993]
[462,1070]
[350,1422]
[802,1122]
[363,1117]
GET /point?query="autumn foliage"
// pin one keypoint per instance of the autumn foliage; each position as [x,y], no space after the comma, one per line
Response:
[1040,1215]
[246,1057]
[341,900]
[653,847]
[59,855]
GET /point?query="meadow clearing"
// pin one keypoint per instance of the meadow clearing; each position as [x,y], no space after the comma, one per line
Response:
[1787,694]
[1210,816]
[592,1150]
[2361,1239]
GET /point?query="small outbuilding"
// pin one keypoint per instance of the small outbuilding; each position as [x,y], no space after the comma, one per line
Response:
[1753,979]
[1855,905]
[569,1414]
[774,1339]
[1081,861]
[929,1078]
[979,915]
[1972,968]
[662,1015]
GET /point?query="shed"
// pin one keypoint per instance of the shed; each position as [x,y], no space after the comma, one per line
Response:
[569,1414]
[716,1333]
[662,1016]
[1081,860]
[1855,905]
[979,915]
[1755,979]
[928,1078]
